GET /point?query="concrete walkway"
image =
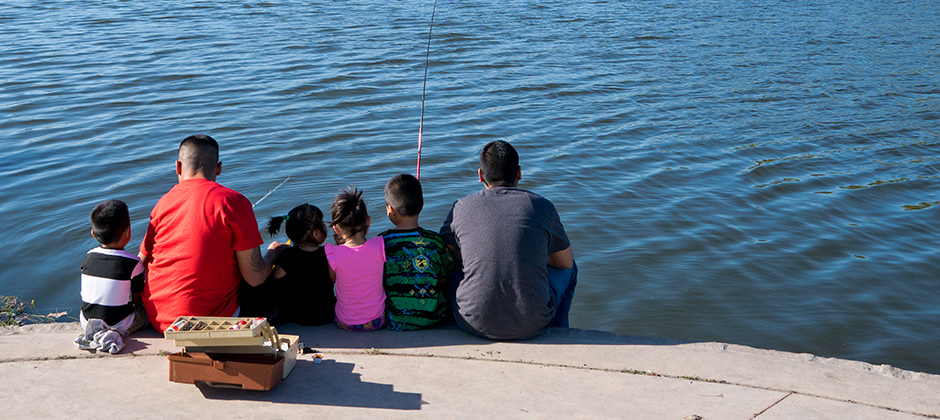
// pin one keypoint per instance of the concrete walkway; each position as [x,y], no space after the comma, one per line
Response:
[446,374]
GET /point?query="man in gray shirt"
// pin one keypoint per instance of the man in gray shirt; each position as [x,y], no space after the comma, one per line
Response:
[519,274]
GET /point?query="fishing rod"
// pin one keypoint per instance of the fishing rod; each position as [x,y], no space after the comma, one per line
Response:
[270,192]
[424,89]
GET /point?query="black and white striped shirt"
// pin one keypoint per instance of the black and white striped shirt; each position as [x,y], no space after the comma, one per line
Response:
[109,276]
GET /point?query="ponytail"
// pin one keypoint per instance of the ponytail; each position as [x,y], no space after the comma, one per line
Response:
[274,225]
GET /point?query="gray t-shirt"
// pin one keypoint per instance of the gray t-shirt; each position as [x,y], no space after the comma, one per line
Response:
[505,235]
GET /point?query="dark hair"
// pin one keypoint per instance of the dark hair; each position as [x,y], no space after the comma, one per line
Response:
[349,212]
[199,151]
[499,164]
[302,222]
[109,220]
[403,193]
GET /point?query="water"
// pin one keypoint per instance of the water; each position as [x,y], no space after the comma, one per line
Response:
[759,173]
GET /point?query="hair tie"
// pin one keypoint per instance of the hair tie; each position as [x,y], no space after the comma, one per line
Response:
[286,217]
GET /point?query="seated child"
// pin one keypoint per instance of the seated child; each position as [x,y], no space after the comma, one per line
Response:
[112,280]
[356,265]
[416,260]
[299,289]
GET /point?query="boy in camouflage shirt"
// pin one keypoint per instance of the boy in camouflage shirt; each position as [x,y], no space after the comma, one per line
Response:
[417,261]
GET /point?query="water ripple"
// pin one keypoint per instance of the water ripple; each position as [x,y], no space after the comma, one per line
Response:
[758,173]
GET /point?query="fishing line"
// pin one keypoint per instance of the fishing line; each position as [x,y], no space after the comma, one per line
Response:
[424,89]
[270,192]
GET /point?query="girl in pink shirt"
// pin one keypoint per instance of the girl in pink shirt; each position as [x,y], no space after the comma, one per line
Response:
[356,265]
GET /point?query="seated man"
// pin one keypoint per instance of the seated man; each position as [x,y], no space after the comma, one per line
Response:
[202,240]
[518,274]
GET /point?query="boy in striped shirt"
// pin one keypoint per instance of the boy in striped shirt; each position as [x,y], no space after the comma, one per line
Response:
[112,278]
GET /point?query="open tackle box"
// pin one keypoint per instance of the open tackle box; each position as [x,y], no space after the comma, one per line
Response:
[237,352]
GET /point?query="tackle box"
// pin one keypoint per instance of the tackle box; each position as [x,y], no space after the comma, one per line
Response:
[249,356]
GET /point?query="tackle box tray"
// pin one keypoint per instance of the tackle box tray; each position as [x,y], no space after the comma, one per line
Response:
[217,331]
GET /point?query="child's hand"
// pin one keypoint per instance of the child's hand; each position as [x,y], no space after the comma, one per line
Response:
[277,246]
[274,250]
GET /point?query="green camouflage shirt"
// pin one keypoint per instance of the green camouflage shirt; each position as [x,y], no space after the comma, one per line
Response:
[416,264]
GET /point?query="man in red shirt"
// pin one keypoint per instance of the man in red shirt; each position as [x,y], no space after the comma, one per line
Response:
[202,240]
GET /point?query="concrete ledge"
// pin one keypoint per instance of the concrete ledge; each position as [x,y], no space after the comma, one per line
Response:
[445,372]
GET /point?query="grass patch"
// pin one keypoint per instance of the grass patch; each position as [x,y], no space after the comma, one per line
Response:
[16,311]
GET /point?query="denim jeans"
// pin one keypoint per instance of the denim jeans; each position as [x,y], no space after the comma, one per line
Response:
[561,281]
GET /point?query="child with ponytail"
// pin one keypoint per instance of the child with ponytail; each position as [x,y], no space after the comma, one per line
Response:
[356,265]
[300,289]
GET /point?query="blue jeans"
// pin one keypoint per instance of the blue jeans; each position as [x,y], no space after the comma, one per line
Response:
[562,282]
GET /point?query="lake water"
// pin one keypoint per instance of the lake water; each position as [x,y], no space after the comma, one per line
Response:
[762,173]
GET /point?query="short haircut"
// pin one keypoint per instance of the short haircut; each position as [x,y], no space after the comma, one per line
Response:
[499,164]
[109,220]
[199,151]
[349,211]
[403,193]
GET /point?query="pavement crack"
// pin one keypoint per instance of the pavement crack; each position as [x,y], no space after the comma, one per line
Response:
[770,406]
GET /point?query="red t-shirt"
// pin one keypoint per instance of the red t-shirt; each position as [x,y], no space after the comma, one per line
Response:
[194,232]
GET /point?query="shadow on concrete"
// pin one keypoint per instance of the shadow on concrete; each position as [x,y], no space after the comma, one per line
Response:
[328,383]
[329,336]
[141,340]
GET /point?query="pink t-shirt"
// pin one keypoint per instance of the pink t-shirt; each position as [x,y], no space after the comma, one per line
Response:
[360,297]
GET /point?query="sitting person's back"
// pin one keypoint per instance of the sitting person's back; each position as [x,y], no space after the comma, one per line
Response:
[201,241]
[518,273]
[305,291]
[356,265]
[112,279]
[299,290]
[417,261]
[111,276]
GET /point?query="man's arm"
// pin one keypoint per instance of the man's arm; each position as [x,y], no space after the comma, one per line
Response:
[563,259]
[254,268]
